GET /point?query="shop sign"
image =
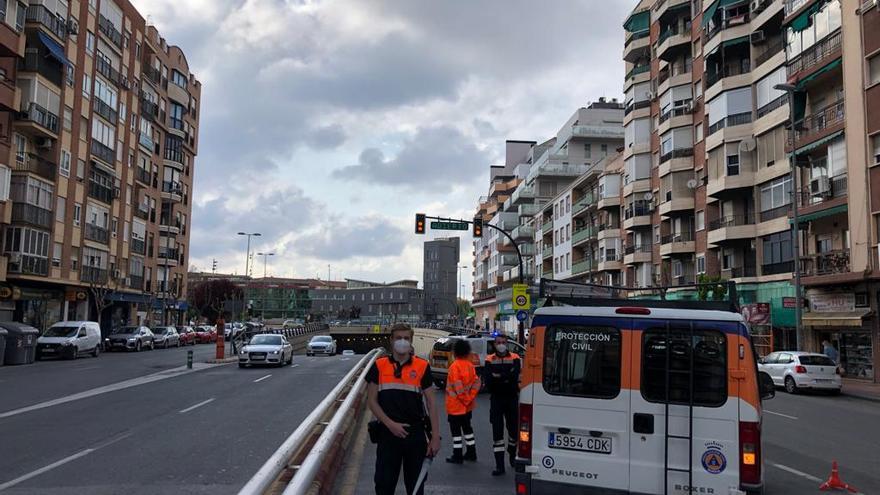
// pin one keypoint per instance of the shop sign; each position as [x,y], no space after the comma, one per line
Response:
[756,313]
[789,302]
[832,303]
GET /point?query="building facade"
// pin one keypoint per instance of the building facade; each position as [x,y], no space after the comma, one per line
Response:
[370,302]
[104,132]
[440,277]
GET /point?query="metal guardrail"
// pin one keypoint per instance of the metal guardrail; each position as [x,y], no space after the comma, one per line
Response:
[268,475]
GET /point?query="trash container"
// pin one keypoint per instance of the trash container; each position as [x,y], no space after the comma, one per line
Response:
[3,334]
[21,342]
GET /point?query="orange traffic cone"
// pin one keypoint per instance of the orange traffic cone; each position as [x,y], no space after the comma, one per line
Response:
[834,482]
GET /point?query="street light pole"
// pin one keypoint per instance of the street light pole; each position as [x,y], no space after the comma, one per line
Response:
[248,256]
[265,256]
[791,90]
[265,287]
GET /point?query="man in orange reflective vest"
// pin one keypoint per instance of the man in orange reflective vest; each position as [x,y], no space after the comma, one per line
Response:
[398,394]
[502,380]
[462,387]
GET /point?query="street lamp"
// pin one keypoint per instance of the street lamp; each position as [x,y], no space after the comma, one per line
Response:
[791,90]
[265,256]
[265,287]
[248,257]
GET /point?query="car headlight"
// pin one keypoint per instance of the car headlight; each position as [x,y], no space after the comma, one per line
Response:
[132,340]
[243,351]
[275,352]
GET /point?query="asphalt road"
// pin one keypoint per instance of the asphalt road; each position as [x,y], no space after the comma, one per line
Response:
[802,435]
[203,431]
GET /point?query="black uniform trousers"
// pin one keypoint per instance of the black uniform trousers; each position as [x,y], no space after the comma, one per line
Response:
[462,432]
[393,452]
[503,412]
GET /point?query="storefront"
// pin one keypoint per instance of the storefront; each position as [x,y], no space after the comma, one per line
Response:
[849,327]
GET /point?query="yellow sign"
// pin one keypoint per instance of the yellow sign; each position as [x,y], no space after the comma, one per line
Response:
[376,329]
[521,298]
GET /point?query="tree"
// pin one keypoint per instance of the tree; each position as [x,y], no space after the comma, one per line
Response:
[464,307]
[208,297]
[101,289]
[711,283]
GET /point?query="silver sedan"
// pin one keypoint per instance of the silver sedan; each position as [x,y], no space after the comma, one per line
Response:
[266,349]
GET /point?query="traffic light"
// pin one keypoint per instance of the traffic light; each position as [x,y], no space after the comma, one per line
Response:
[420,223]
[214,265]
[478,227]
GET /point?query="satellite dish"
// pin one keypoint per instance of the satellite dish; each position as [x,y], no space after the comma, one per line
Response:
[692,184]
[648,196]
[747,144]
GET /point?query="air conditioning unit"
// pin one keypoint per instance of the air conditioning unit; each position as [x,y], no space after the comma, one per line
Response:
[45,143]
[72,26]
[15,258]
[820,186]
[757,37]
[650,95]
[117,274]
[759,5]
[127,281]
[689,107]
[125,83]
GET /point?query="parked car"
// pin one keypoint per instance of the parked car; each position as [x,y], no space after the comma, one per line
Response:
[166,337]
[130,339]
[797,371]
[205,334]
[266,349]
[321,344]
[69,340]
[187,335]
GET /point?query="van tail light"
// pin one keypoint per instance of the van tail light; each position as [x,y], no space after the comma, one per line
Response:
[750,453]
[521,488]
[799,369]
[630,310]
[524,446]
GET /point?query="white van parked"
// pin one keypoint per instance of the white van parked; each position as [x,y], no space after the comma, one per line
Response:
[69,340]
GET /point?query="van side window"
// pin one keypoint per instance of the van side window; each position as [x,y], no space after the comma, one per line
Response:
[582,361]
[709,350]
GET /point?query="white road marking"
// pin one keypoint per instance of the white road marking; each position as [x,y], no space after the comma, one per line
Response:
[162,375]
[200,404]
[261,378]
[294,365]
[780,414]
[88,368]
[10,484]
[797,473]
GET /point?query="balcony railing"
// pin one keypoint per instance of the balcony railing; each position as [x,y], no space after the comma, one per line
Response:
[152,74]
[149,110]
[547,226]
[97,234]
[28,265]
[583,233]
[547,252]
[679,237]
[739,20]
[777,268]
[730,121]
[100,192]
[142,175]
[610,257]
[743,67]
[817,122]
[146,141]
[677,111]
[822,51]
[30,214]
[636,105]
[94,275]
[636,211]
[172,187]
[54,23]
[676,153]
[839,187]
[106,69]
[142,214]
[138,246]
[770,51]
[40,116]
[47,67]
[583,204]
[830,263]
[169,254]
[739,272]
[773,105]
[792,5]
[136,282]
[105,110]
[35,164]
[732,221]
[104,152]
[109,30]
[639,69]
[669,33]
[582,266]
[645,248]
[780,211]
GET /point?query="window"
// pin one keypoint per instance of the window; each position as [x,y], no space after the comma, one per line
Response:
[568,261]
[80,169]
[103,133]
[875,140]
[730,108]
[87,86]
[777,248]
[176,116]
[698,90]
[83,129]
[33,192]
[604,149]
[707,349]
[823,244]
[60,208]
[20,148]
[26,241]
[874,69]
[90,41]
[776,193]
[765,92]
[122,113]
[587,150]
[701,264]
[701,220]
[56,254]
[5,178]
[71,74]
[178,78]
[733,164]
[656,234]
[582,362]
[698,132]
[77,213]
[64,166]
[68,118]
[106,93]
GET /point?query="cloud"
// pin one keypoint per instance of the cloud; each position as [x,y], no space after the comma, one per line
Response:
[370,237]
[435,158]
[327,137]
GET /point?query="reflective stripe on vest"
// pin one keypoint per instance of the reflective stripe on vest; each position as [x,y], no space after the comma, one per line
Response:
[496,359]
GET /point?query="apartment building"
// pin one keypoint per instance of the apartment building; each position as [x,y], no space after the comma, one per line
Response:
[440,277]
[102,121]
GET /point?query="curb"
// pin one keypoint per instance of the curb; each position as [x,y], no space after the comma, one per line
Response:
[227,360]
[866,397]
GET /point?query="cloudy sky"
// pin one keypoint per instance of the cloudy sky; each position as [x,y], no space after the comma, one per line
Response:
[326,124]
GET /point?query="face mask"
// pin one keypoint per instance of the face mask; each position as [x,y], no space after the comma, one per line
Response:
[402,346]
[501,348]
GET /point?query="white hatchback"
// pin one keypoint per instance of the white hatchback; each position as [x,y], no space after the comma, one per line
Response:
[801,371]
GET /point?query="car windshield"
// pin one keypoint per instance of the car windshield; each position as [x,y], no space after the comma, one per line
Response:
[322,338]
[125,330]
[816,361]
[64,331]
[266,340]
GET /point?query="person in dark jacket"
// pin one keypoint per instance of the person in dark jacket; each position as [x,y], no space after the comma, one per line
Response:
[502,381]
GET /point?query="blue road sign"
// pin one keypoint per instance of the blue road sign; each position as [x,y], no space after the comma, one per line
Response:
[522,315]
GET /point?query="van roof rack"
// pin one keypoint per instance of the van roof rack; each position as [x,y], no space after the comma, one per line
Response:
[719,296]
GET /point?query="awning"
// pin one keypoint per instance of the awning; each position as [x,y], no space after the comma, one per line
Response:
[735,41]
[836,319]
[805,18]
[104,167]
[56,50]
[819,214]
[638,22]
[815,144]
[828,67]
[710,12]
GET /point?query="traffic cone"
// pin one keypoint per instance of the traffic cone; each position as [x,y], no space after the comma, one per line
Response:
[834,482]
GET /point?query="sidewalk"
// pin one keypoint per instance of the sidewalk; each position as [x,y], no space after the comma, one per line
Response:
[861,389]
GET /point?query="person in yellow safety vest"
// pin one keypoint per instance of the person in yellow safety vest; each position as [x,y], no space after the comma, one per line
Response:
[462,387]
[502,381]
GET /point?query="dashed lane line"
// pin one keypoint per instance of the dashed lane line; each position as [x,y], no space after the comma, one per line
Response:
[196,406]
[258,380]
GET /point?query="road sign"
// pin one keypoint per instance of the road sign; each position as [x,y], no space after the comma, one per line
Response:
[521,299]
[522,315]
[449,225]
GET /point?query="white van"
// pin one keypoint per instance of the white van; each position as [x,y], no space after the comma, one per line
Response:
[69,340]
[640,397]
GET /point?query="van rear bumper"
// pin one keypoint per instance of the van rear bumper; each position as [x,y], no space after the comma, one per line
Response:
[542,487]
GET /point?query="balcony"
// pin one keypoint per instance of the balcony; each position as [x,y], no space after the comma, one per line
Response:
[792,5]
[730,121]
[636,47]
[639,69]
[152,74]
[671,39]
[773,105]
[146,142]
[678,243]
[142,212]
[24,264]
[679,202]
[32,215]
[829,263]
[45,66]
[149,110]
[142,175]
[637,254]
[743,67]
[46,122]
[609,202]
[523,232]
[775,213]
[522,195]
[732,228]
[636,216]
[736,178]
[166,226]
[35,164]
[105,110]
[583,234]
[138,246]
[172,191]
[46,18]
[777,268]
[820,124]
[169,257]
[100,192]
[739,272]
[103,152]
[677,153]
[582,204]
[732,22]
[97,234]
[607,232]
[678,111]
[106,69]
[109,30]
[528,210]
[94,275]
[136,282]
[822,193]
[638,105]
[548,169]
[547,226]
[583,266]
[770,50]
[815,57]
[683,280]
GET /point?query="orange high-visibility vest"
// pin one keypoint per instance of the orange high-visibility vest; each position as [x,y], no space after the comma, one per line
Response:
[410,379]
[462,387]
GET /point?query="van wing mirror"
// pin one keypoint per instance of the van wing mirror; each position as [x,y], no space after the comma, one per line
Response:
[766,386]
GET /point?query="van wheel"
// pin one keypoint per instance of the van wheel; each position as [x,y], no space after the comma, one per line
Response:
[97,351]
[74,352]
[790,385]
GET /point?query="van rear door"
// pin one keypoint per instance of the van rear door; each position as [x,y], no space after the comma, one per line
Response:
[580,416]
[667,354]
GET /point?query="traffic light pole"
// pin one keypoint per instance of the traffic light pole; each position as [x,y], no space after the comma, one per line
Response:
[521,330]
